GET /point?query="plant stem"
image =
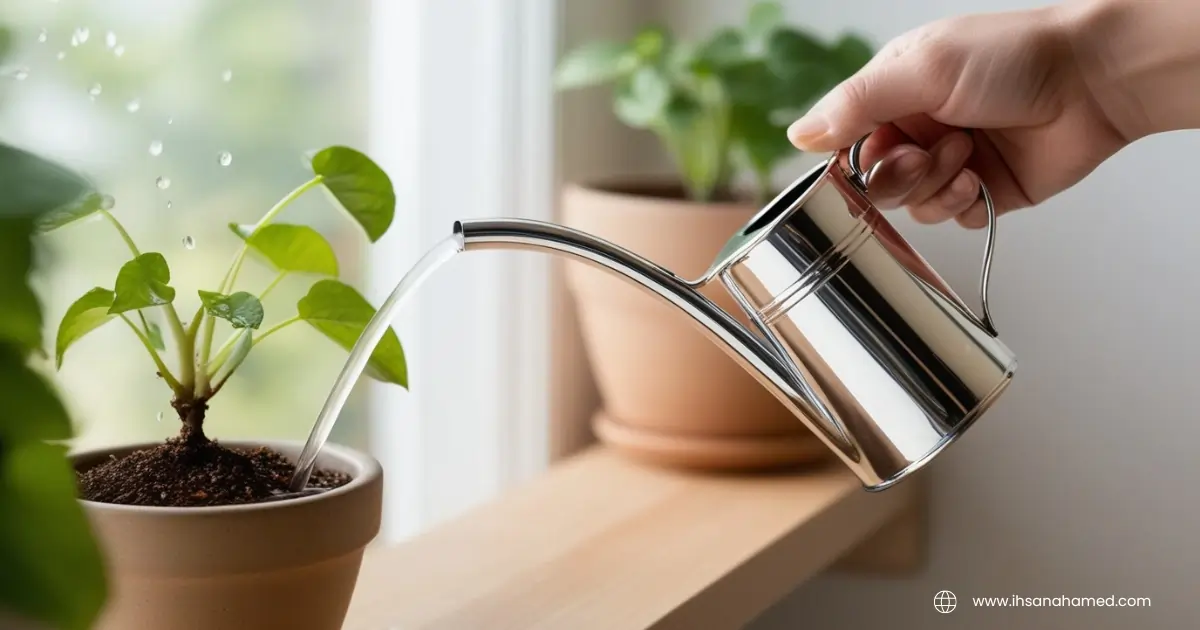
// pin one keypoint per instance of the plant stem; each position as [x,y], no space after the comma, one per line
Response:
[274,329]
[162,367]
[183,342]
[202,384]
[121,230]
[271,287]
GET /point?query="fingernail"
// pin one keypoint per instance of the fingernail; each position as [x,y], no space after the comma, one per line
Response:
[808,129]
[964,187]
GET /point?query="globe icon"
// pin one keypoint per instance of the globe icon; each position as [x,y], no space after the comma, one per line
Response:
[945,602]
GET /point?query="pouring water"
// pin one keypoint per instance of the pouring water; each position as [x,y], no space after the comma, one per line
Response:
[436,257]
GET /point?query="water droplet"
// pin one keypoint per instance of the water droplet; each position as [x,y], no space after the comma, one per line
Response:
[189,242]
[18,73]
[168,205]
[119,51]
[80,36]
[227,76]
[43,36]
[225,158]
[156,148]
[160,417]
[163,183]
[170,121]
[95,90]
[110,39]
[133,106]
[61,55]
[107,202]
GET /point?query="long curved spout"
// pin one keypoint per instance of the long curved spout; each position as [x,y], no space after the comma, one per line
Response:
[754,355]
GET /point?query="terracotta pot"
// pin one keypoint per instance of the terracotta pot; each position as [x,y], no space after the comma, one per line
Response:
[287,564]
[670,395]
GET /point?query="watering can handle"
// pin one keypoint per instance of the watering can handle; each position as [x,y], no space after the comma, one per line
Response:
[985,275]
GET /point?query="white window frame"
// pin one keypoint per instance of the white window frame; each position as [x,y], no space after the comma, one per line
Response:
[462,116]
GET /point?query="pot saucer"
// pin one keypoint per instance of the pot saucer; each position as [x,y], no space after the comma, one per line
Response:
[719,454]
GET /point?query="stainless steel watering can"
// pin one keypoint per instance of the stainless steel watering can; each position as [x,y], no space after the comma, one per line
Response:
[852,330]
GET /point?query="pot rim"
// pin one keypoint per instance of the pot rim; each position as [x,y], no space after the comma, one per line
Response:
[367,470]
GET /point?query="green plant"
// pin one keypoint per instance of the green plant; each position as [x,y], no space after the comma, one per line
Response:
[720,106]
[337,310]
[53,571]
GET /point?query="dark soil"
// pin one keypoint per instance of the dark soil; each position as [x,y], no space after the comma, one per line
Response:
[181,473]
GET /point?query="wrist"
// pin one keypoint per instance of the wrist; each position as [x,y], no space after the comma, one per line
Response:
[1140,61]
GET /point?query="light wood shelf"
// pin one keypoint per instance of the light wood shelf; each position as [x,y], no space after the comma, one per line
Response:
[601,542]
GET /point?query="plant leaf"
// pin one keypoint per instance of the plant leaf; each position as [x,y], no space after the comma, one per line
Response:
[749,82]
[644,99]
[53,569]
[850,54]
[34,186]
[141,283]
[725,47]
[765,16]
[359,186]
[241,310]
[650,44]
[80,208]
[594,63]
[154,334]
[291,248]
[789,49]
[20,310]
[87,314]
[31,408]
[237,354]
[340,313]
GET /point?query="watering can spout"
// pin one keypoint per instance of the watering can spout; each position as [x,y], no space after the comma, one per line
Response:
[850,329]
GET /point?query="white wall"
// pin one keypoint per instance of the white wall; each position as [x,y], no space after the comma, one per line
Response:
[1083,480]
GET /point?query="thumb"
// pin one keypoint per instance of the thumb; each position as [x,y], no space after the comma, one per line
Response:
[879,93]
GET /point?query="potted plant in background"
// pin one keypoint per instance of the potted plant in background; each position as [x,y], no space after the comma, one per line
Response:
[200,534]
[52,572]
[720,108]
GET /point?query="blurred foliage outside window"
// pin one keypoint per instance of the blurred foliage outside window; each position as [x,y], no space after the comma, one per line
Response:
[95,84]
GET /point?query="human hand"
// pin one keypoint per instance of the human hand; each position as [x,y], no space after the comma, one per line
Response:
[1013,79]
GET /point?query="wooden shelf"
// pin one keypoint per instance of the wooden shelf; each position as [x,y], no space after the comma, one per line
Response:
[601,542]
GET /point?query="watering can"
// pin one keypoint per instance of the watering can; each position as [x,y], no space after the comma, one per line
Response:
[851,329]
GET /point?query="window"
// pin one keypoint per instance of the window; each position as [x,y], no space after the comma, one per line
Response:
[452,99]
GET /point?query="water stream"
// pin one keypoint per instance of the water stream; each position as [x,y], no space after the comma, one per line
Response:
[436,257]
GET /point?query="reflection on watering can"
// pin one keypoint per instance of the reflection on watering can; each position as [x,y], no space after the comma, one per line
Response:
[853,331]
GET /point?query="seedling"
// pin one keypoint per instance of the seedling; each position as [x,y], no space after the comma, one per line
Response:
[201,367]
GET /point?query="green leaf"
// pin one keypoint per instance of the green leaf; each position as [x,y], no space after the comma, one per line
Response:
[53,570]
[696,136]
[340,313]
[142,283]
[6,38]
[765,16]
[749,83]
[33,186]
[644,100]
[20,311]
[359,186]
[788,49]
[31,408]
[241,309]
[87,314]
[761,142]
[291,248]
[725,47]
[237,354]
[154,334]
[594,63]
[80,208]
[850,54]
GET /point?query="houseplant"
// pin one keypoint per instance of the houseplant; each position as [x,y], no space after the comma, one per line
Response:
[196,532]
[53,573]
[719,108]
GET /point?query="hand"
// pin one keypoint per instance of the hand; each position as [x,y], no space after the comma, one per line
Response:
[1011,78]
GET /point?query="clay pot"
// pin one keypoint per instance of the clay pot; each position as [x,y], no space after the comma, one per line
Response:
[287,564]
[670,395]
